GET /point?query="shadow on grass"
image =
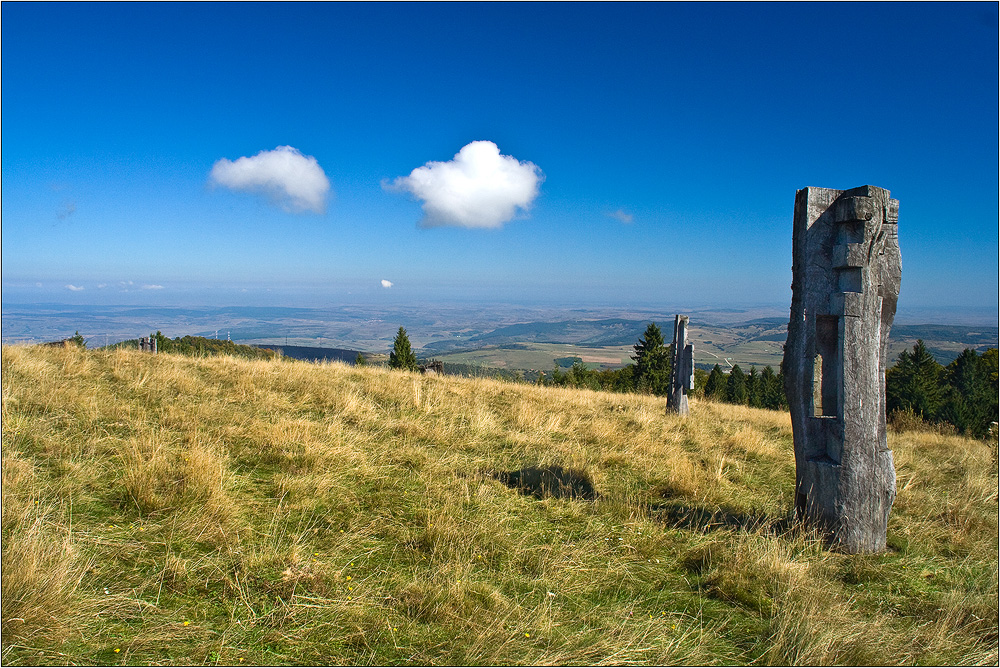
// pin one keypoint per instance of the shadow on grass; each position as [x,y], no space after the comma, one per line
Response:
[677,513]
[548,481]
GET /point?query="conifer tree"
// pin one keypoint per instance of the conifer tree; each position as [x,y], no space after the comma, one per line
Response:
[970,401]
[652,362]
[715,386]
[736,386]
[915,383]
[772,392]
[402,356]
[754,390]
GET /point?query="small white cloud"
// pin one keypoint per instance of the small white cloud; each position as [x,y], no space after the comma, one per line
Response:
[101,286]
[74,288]
[478,188]
[386,284]
[293,181]
[152,287]
[621,216]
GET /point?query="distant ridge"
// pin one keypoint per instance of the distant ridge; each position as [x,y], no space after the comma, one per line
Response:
[312,354]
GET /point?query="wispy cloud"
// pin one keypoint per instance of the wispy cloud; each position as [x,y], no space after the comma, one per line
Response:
[386,284]
[66,210]
[291,180]
[152,287]
[479,187]
[621,216]
[74,288]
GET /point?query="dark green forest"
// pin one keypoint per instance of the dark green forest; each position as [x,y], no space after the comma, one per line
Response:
[962,394]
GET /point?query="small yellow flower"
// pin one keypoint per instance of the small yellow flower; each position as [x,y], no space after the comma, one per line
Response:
[527,635]
[348,577]
[186,623]
[350,589]
[117,649]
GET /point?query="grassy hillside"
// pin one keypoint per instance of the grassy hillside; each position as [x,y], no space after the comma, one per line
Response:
[176,510]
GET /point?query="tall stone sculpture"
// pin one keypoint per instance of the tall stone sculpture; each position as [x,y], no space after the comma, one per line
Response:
[846,270]
[682,372]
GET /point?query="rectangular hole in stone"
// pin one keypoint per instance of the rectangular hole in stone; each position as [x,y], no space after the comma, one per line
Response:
[849,279]
[826,366]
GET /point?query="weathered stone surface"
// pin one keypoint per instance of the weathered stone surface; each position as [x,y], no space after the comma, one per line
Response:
[682,372]
[846,269]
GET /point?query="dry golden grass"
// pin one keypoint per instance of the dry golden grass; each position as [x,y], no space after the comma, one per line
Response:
[218,510]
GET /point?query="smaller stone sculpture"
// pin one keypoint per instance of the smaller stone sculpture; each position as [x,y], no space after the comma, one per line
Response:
[682,372]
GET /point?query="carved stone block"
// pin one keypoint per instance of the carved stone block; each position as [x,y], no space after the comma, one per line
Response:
[846,270]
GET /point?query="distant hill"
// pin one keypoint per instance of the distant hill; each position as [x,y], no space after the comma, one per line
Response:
[971,336]
[757,341]
[610,332]
[311,354]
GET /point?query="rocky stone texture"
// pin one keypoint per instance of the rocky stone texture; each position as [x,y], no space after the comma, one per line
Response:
[682,372]
[846,270]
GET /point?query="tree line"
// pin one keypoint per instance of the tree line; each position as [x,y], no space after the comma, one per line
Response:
[962,394]
[199,346]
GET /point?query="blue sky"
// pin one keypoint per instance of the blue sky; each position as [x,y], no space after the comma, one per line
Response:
[667,139]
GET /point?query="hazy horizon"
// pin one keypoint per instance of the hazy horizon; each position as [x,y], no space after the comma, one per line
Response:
[584,154]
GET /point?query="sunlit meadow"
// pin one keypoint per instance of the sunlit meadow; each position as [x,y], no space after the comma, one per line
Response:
[174,510]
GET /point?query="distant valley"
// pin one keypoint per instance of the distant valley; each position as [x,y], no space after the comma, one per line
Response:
[499,336]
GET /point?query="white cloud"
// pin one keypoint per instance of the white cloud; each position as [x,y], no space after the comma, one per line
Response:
[293,181]
[479,187]
[386,284]
[621,216]
[74,288]
[152,287]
